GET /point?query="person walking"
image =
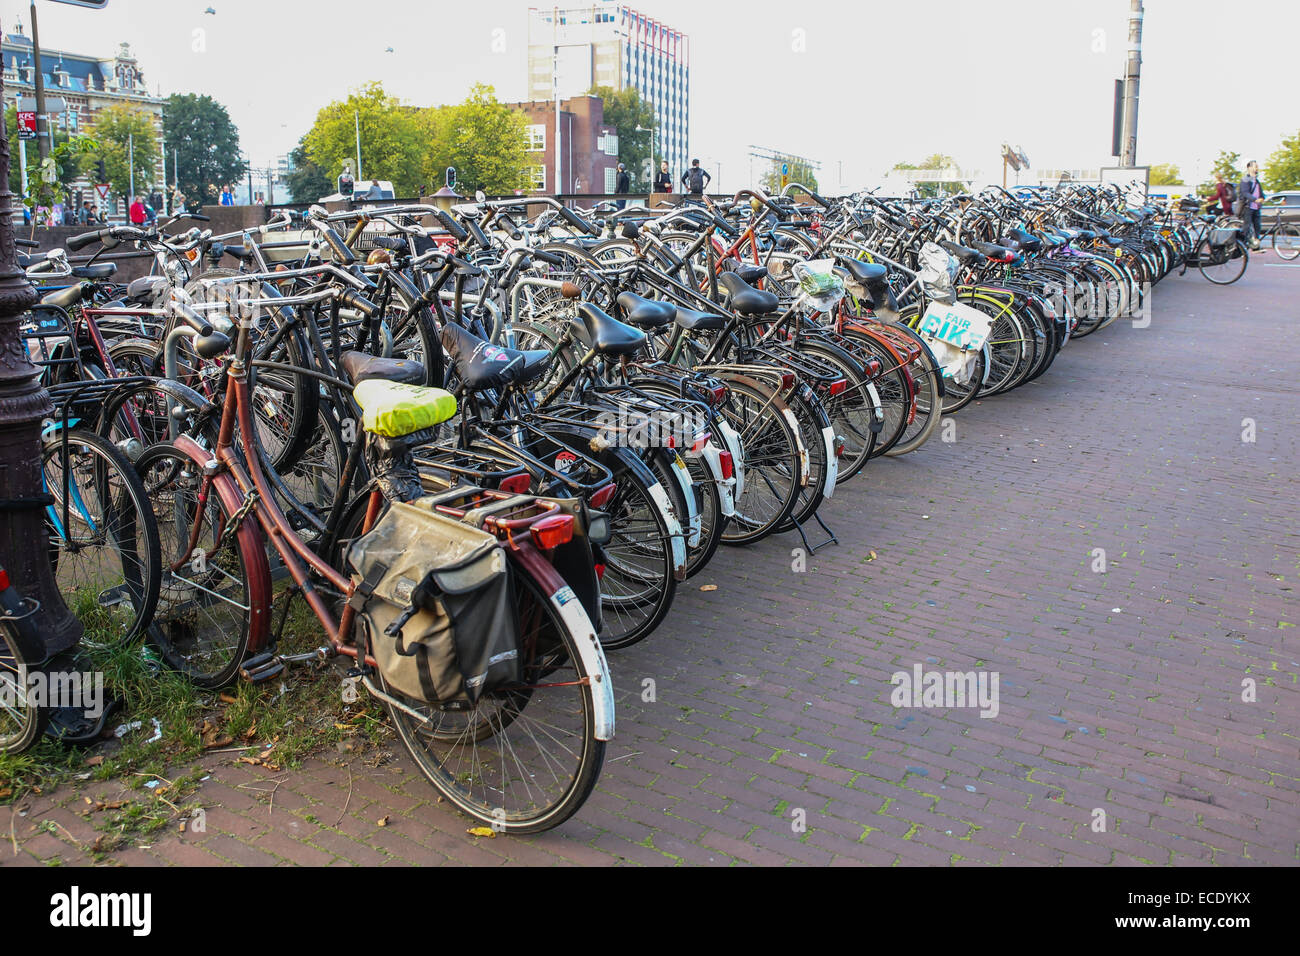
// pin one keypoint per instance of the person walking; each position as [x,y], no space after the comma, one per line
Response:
[1249,196]
[696,178]
[622,185]
[663,179]
[1224,193]
[137,213]
[227,196]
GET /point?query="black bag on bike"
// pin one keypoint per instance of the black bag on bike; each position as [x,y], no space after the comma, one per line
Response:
[437,598]
[1224,236]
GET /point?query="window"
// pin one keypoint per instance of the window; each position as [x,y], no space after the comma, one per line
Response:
[536,137]
[611,180]
[608,144]
[535,178]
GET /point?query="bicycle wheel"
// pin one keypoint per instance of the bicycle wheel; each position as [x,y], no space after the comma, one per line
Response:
[812,419]
[1222,265]
[773,462]
[104,544]
[926,374]
[22,719]
[208,602]
[1286,240]
[525,758]
[852,411]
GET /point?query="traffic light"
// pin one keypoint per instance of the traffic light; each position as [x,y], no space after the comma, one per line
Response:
[101,171]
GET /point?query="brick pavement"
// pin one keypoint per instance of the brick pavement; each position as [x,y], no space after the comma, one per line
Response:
[1120,691]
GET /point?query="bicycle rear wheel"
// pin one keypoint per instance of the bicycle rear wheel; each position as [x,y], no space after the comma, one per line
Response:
[526,757]
[1222,265]
[22,719]
[1286,241]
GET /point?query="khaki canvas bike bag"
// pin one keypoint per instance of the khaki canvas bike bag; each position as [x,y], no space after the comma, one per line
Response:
[437,599]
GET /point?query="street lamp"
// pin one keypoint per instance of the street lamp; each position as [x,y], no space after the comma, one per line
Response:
[651,172]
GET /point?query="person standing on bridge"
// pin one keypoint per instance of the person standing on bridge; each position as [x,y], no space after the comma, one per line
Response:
[696,178]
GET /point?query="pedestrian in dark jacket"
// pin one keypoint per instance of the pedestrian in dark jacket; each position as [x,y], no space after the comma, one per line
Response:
[663,179]
[1249,196]
[623,184]
[696,178]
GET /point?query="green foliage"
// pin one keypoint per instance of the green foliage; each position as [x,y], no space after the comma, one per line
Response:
[934,161]
[204,145]
[800,172]
[308,182]
[114,128]
[1225,164]
[71,164]
[1165,174]
[625,111]
[482,138]
[1282,169]
[392,141]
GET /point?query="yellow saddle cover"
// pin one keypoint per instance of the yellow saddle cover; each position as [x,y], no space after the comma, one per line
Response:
[392,409]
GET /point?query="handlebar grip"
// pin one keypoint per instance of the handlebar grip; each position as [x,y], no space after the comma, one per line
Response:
[820,201]
[549,258]
[199,217]
[355,300]
[191,318]
[520,263]
[479,236]
[339,247]
[577,221]
[451,225]
[725,227]
[86,238]
[27,243]
[509,226]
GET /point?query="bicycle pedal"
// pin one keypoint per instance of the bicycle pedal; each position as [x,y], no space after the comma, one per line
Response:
[261,667]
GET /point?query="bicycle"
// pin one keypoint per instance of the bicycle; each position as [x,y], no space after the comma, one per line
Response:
[525,756]
[1285,236]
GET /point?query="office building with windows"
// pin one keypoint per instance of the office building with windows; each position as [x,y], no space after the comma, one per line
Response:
[609,44]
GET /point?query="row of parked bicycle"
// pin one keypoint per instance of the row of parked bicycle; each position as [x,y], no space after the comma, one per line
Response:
[486,445]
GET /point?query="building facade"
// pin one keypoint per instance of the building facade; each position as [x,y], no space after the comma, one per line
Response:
[588,146]
[87,84]
[609,44]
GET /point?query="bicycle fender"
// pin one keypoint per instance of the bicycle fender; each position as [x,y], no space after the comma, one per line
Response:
[251,543]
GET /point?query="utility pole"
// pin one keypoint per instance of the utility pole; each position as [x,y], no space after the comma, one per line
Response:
[42,124]
[356,118]
[557,189]
[130,147]
[1128,156]
[24,405]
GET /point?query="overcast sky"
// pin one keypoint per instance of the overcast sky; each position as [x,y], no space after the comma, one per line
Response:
[875,83]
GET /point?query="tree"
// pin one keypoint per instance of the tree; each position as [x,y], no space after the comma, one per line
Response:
[1165,174]
[1225,165]
[307,181]
[625,111]
[115,128]
[934,161]
[203,144]
[1282,170]
[392,145]
[800,172]
[482,138]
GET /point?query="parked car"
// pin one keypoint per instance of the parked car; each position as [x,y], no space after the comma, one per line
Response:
[1289,200]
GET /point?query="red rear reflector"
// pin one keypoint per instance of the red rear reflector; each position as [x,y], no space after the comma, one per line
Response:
[839,385]
[700,441]
[787,379]
[728,465]
[4,580]
[719,394]
[603,495]
[516,484]
[600,572]
[552,531]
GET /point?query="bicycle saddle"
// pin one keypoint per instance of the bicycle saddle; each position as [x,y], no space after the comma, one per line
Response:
[645,313]
[748,271]
[601,333]
[866,273]
[690,320]
[964,253]
[394,410]
[360,367]
[482,365]
[744,298]
[145,288]
[64,298]
[95,270]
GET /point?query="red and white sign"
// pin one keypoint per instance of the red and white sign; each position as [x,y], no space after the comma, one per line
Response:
[102,190]
[26,124]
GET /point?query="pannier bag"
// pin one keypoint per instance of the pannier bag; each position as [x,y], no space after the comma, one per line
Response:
[437,597]
[1223,236]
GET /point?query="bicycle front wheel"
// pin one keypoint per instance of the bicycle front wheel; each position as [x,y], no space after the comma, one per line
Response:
[1222,265]
[1286,240]
[526,757]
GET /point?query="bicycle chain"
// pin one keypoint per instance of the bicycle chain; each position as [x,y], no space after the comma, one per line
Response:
[236,519]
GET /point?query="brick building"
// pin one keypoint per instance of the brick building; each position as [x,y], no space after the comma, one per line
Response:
[588,146]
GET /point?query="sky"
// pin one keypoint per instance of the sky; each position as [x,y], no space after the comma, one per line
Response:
[854,86]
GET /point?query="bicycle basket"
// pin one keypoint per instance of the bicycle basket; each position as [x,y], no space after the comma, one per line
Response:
[437,598]
[938,273]
[1223,236]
